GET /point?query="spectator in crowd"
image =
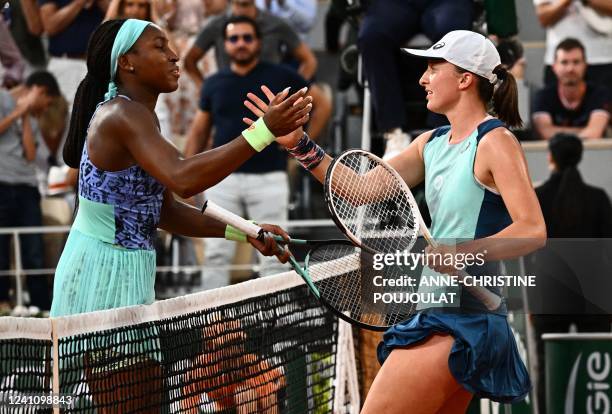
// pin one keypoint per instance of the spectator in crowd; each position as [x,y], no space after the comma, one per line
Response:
[512,57]
[52,124]
[278,40]
[387,26]
[19,196]
[511,53]
[263,178]
[10,57]
[133,9]
[26,28]
[569,18]
[300,14]
[69,23]
[185,21]
[571,209]
[277,36]
[572,105]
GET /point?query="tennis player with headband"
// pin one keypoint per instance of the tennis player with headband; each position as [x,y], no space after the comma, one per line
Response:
[477,189]
[128,172]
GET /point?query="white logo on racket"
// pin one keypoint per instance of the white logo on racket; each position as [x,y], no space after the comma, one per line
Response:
[438,182]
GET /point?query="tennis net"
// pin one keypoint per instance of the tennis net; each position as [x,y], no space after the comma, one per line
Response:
[263,346]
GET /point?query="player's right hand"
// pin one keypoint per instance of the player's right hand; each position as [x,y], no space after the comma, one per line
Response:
[282,115]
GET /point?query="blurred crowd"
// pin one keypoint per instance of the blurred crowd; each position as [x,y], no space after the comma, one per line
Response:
[229,47]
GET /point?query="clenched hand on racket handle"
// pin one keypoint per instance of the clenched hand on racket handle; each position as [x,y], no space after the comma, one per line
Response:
[448,252]
[284,115]
[268,246]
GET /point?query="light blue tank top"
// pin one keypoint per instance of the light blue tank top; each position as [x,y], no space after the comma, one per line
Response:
[461,207]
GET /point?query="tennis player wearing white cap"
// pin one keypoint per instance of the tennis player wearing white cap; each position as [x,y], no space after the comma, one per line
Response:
[477,189]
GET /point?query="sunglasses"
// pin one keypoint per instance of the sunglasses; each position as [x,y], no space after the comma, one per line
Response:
[248,38]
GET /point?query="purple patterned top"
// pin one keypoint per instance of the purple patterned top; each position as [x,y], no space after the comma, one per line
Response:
[136,198]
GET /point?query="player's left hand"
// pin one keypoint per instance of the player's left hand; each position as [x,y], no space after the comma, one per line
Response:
[269,247]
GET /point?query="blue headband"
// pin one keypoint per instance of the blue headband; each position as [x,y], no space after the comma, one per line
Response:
[128,34]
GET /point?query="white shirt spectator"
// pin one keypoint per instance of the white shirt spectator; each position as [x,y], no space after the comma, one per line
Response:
[598,46]
[300,14]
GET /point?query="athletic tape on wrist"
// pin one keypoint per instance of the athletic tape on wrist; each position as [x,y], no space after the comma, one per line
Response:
[232,233]
[258,135]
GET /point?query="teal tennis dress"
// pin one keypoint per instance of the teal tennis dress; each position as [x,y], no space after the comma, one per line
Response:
[109,258]
[484,358]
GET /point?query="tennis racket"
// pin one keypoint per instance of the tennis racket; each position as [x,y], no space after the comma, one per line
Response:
[373,206]
[341,275]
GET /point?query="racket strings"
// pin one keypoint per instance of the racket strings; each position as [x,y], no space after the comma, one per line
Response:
[344,276]
[372,204]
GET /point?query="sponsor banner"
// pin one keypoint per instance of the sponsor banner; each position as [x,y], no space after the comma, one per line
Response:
[578,373]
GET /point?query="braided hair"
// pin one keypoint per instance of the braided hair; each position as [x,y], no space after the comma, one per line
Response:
[91,89]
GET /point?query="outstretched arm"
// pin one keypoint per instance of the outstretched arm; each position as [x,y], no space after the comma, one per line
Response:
[409,164]
[259,107]
[180,218]
[189,176]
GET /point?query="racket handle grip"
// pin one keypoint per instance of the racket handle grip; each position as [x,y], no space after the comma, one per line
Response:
[488,298]
[484,295]
[212,210]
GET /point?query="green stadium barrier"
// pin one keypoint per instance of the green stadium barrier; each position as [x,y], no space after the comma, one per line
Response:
[578,373]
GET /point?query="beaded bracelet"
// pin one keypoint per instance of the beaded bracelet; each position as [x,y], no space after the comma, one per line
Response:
[307,153]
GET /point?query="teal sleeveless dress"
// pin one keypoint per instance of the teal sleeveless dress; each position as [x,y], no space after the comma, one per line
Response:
[484,358]
[109,258]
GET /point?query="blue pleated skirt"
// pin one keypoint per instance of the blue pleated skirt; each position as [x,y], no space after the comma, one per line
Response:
[484,358]
[94,275]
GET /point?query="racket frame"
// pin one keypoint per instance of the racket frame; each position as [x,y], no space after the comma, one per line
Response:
[213,210]
[251,229]
[488,298]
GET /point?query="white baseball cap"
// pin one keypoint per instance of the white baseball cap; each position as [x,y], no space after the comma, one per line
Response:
[468,50]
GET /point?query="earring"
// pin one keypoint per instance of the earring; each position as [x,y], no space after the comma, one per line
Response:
[132,69]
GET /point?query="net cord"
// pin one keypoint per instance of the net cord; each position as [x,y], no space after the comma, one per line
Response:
[30,328]
[122,317]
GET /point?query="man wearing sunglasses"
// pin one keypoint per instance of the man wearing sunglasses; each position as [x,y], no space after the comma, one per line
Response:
[259,188]
[278,40]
